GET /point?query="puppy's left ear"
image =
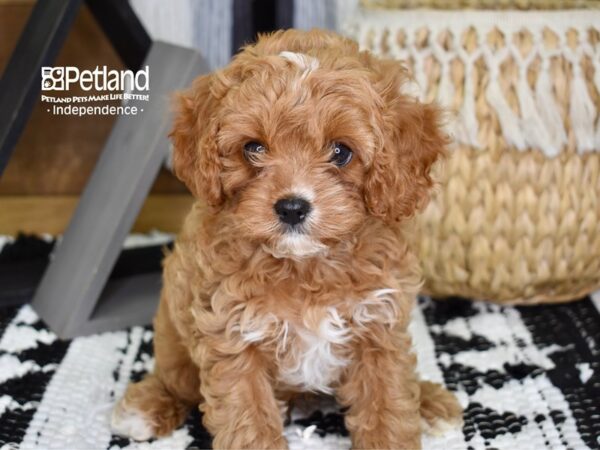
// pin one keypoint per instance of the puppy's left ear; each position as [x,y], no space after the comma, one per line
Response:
[399,180]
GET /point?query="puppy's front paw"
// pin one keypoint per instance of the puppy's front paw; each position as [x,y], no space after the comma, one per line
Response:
[439,426]
[130,422]
[148,410]
[440,409]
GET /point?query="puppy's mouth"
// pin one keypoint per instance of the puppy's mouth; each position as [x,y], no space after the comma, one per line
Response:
[299,228]
[296,245]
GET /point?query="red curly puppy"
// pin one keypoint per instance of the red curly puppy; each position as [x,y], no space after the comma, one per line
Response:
[298,275]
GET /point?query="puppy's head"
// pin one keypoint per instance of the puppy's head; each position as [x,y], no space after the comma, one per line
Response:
[302,138]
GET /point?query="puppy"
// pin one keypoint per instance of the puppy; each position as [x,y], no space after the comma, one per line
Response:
[293,271]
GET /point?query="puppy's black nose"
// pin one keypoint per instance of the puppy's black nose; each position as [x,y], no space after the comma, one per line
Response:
[292,210]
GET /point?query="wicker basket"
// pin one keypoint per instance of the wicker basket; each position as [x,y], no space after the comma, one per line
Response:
[517,217]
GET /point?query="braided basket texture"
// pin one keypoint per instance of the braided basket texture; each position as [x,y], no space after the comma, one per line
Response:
[517,216]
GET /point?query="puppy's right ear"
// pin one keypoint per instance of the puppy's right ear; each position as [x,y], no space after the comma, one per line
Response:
[196,159]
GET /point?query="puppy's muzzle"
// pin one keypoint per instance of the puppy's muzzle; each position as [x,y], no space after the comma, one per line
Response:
[292,211]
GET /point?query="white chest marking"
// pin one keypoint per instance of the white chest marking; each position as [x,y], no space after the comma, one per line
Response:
[312,359]
[316,359]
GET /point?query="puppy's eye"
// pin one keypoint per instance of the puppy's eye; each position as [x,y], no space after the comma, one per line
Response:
[251,149]
[341,155]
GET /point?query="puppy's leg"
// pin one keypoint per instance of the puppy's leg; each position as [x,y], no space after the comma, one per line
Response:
[161,401]
[440,409]
[382,392]
[240,408]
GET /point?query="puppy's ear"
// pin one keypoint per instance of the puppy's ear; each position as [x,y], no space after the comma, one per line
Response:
[398,181]
[196,159]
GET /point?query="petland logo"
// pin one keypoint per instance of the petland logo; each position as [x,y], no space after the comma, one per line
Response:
[101,79]
[118,85]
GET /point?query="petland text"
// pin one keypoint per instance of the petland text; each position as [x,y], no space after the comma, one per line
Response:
[100,79]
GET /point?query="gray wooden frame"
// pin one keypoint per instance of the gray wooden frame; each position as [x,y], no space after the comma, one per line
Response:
[74,297]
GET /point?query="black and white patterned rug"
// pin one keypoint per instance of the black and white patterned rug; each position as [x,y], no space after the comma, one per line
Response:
[528,378]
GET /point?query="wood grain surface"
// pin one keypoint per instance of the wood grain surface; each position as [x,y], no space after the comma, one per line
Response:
[51,213]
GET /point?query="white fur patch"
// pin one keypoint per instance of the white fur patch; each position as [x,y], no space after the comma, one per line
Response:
[130,422]
[441,426]
[304,62]
[296,245]
[379,306]
[315,364]
[308,356]
[256,330]
[251,336]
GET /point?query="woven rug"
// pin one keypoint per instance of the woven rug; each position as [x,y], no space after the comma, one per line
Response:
[529,378]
